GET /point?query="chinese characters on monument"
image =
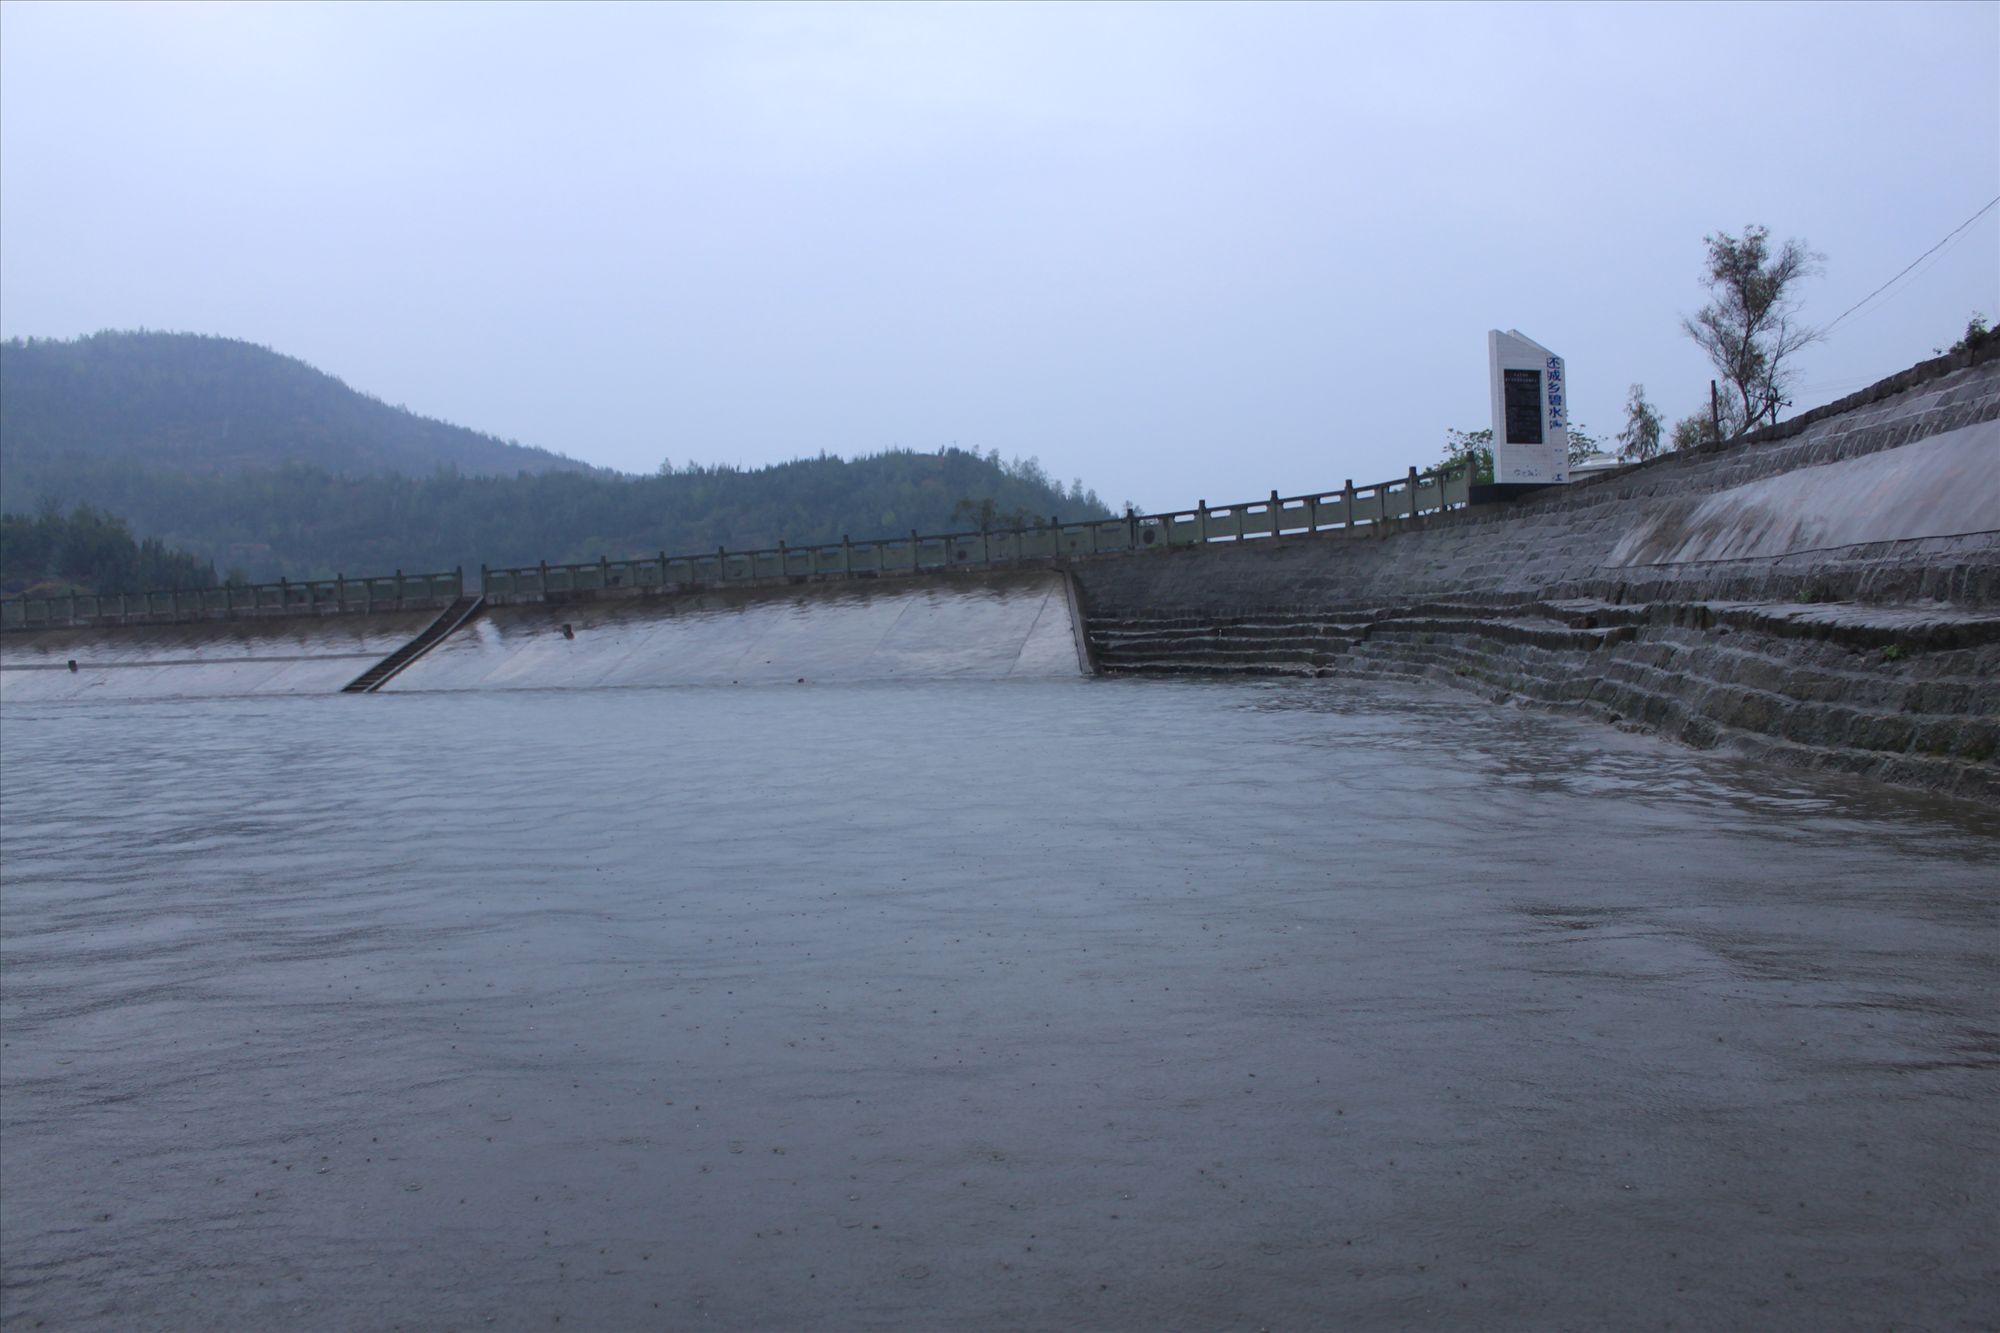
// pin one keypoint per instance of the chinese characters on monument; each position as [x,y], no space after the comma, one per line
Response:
[1530,439]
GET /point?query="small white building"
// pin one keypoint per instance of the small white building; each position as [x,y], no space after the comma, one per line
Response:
[1596,464]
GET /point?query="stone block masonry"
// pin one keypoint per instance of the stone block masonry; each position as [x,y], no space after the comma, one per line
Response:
[1826,592]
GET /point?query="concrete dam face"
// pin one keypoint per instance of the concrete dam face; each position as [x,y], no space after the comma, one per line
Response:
[985,627]
[1826,591]
[195,661]
[990,628]
[1947,486]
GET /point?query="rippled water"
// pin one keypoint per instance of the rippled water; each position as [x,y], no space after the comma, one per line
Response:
[1004,1004]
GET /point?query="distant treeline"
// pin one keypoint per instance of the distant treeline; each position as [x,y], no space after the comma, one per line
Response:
[50,553]
[302,522]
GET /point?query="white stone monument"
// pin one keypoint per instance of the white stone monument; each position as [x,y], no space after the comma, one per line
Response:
[1530,439]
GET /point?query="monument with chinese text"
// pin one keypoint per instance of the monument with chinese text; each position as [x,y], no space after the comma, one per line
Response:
[1530,437]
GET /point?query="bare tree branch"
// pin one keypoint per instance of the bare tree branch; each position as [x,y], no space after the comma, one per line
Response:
[1749,330]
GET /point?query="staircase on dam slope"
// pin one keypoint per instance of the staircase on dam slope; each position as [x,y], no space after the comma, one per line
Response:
[1268,643]
[460,611]
[1309,643]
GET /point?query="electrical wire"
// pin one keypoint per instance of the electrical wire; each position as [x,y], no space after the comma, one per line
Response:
[1912,264]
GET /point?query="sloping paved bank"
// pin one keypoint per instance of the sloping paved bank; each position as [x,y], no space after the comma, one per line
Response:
[1827,591]
[204,659]
[986,624]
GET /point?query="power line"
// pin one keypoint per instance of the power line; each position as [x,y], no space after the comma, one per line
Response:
[1912,264]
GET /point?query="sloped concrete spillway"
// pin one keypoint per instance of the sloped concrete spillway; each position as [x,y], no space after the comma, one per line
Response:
[987,626]
[305,655]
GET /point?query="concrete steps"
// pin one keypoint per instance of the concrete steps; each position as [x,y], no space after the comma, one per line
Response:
[1826,691]
[1316,642]
[460,611]
[1261,644]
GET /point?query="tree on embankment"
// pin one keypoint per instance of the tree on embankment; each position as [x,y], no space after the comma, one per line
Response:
[1750,329]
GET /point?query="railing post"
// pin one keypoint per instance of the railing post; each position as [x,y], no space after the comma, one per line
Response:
[1412,489]
[1347,507]
[1201,521]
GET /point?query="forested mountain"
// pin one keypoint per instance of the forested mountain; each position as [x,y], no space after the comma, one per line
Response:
[300,522]
[264,501]
[191,403]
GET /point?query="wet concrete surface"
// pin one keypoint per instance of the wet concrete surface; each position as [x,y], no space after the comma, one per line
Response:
[208,659]
[1010,624]
[1944,486]
[1036,1004]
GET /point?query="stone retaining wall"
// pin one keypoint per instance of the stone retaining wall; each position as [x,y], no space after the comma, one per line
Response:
[1827,591]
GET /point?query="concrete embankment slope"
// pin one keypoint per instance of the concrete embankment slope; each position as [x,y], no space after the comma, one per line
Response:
[1828,592]
[988,625]
[297,655]
[984,626]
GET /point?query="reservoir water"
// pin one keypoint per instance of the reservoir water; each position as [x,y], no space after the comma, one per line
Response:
[984,1003]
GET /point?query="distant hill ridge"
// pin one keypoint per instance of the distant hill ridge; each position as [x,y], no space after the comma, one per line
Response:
[264,466]
[194,403]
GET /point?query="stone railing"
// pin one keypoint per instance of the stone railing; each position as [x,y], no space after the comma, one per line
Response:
[394,592]
[1350,511]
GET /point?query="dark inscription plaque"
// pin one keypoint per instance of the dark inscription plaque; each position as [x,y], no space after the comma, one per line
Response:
[1524,405]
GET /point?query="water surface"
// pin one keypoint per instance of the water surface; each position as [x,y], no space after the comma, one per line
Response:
[994,1003]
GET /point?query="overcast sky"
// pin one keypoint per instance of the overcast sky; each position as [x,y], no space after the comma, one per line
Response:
[1179,251]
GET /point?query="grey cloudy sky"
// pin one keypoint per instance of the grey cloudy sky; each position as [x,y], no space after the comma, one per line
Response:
[1179,251]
